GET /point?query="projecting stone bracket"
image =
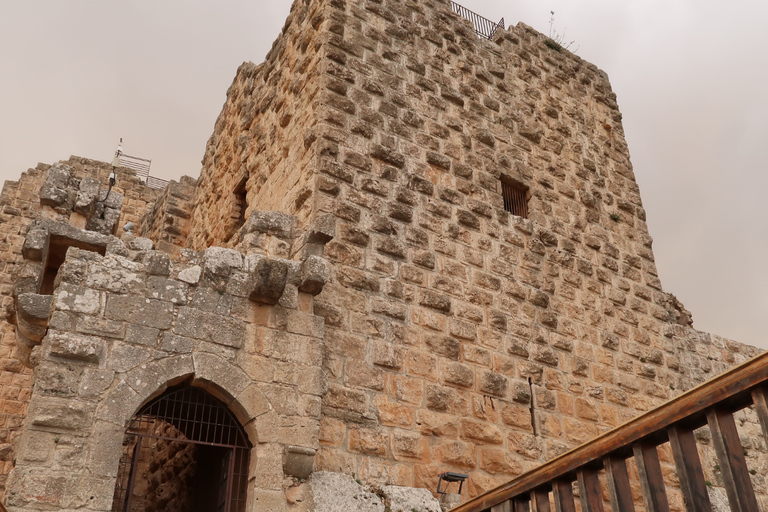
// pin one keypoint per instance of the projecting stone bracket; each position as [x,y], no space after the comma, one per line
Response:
[298,461]
[269,278]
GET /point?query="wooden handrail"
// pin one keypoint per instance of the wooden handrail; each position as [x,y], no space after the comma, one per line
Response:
[710,403]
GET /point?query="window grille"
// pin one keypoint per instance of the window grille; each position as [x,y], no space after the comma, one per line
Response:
[515,199]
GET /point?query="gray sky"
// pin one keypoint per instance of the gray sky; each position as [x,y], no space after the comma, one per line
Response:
[690,75]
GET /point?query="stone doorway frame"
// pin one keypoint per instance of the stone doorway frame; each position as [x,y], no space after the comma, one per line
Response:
[197,418]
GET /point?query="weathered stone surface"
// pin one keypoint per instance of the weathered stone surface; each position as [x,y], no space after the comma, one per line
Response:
[191,275]
[202,325]
[88,349]
[157,263]
[34,308]
[334,492]
[58,413]
[323,230]
[270,222]
[86,196]
[139,310]
[298,461]
[54,191]
[269,278]
[314,275]
[407,499]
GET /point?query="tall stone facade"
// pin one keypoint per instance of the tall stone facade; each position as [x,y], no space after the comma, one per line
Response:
[345,274]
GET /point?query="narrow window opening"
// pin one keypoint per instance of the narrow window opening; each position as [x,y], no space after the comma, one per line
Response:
[241,202]
[54,258]
[533,411]
[515,197]
[239,208]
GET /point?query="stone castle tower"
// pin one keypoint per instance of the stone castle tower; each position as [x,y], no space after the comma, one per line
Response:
[410,250]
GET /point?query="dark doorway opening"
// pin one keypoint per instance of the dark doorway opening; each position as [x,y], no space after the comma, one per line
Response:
[183,452]
[55,256]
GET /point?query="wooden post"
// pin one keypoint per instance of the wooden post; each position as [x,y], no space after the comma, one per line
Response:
[589,491]
[618,484]
[761,406]
[651,479]
[563,493]
[733,465]
[541,499]
[689,470]
[503,507]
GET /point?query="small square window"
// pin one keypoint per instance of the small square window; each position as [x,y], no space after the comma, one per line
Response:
[515,198]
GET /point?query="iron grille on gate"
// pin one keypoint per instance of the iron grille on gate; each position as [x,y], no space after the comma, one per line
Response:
[189,416]
[515,199]
[483,26]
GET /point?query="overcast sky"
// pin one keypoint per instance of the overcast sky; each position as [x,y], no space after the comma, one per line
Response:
[691,78]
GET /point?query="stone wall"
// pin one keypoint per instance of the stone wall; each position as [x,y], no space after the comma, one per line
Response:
[394,317]
[261,145]
[20,205]
[168,222]
[125,325]
[460,336]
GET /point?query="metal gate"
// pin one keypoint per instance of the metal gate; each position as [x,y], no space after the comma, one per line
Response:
[181,417]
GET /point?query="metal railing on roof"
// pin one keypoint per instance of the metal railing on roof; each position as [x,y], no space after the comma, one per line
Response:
[483,26]
[141,166]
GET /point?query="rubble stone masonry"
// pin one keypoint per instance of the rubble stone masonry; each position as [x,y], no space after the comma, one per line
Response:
[345,276]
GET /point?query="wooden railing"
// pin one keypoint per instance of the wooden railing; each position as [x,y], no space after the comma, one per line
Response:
[712,403]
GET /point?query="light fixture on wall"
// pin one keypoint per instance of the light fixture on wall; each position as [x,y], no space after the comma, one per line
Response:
[448,477]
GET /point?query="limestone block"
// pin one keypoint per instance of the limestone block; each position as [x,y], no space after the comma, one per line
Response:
[32,312]
[77,347]
[100,327]
[60,414]
[250,403]
[37,489]
[86,196]
[94,382]
[140,311]
[191,275]
[37,446]
[277,224]
[120,405]
[218,262]
[408,499]
[269,278]
[27,277]
[113,200]
[35,244]
[124,357]
[298,461]
[337,492]
[153,377]
[179,344]
[137,243]
[54,191]
[323,230]
[202,325]
[167,290]
[106,441]
[227,377]
[314,275]
[141,335]
[58,379]
[157,263]
[104,219]
[88,491]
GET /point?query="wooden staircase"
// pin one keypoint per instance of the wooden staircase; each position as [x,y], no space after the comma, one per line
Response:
[712,403]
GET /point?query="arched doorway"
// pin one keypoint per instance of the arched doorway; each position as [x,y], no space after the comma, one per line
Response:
[183,452]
